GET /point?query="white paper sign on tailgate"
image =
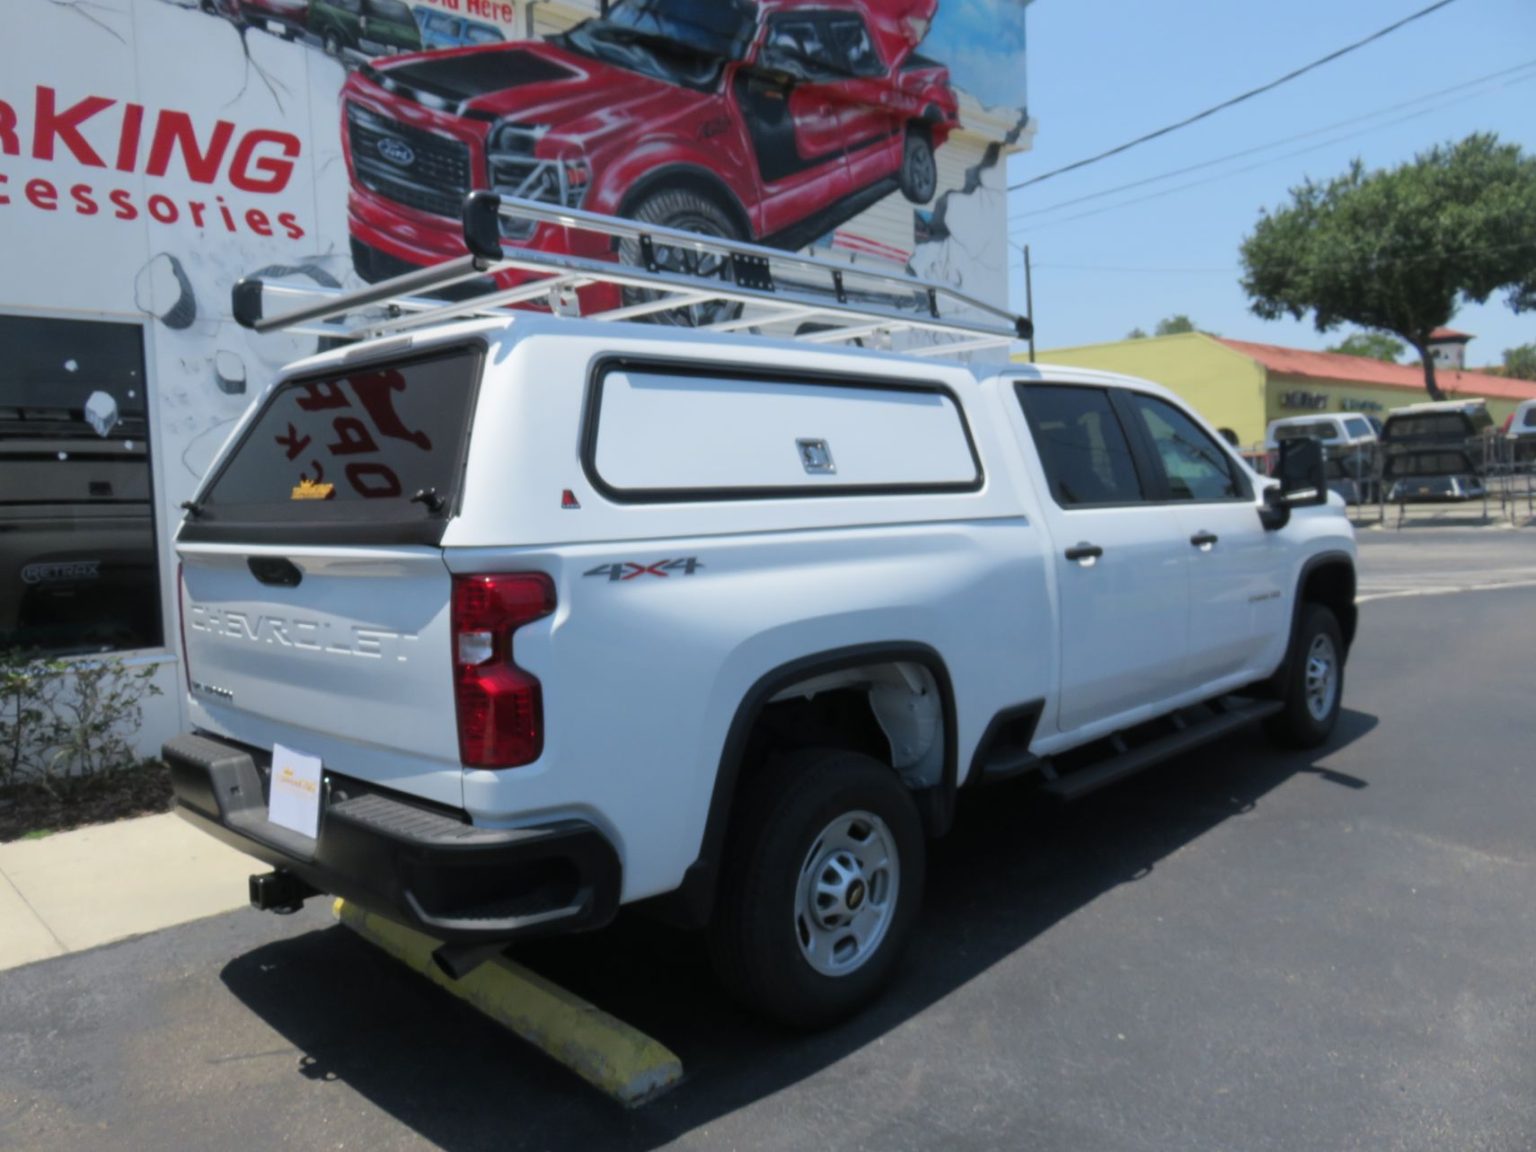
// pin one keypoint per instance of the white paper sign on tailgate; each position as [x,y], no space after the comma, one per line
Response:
[295,799]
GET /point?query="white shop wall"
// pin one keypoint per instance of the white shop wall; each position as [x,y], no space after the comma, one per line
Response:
[82,240]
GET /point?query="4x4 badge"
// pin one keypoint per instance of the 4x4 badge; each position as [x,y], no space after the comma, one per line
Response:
[628,569]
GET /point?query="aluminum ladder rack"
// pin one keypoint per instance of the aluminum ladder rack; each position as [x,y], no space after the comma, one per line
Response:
[828,302]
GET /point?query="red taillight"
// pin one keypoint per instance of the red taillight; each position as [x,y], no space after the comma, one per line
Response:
[500,706]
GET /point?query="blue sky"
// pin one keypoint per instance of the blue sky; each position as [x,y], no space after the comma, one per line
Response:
[981,41]
[1104,71]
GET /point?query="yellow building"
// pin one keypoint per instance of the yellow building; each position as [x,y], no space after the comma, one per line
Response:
[1240,387]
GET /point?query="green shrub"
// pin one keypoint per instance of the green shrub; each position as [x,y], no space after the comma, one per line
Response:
[68,718]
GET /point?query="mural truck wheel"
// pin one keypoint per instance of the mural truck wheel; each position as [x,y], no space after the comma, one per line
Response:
[919,170]
[688,210]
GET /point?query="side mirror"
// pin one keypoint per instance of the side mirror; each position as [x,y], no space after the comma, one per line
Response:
[784,65]
[1303,473]
[1274,513]
[1303,482]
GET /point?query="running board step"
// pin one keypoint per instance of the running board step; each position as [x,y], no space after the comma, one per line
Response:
[1085,780]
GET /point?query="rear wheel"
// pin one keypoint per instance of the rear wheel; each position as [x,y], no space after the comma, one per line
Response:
[919,170]
[821,887]
[688,210]
[1313,687]
[332,44]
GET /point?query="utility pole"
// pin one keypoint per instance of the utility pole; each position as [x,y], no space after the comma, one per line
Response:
[1029,303]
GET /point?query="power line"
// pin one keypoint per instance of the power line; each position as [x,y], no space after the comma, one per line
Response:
[1376,259]
[1228,175]
[1388,110]
[1225,104]
[1227,271]
[1260,164]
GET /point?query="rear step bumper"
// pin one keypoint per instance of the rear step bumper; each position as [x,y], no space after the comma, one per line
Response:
[419,865]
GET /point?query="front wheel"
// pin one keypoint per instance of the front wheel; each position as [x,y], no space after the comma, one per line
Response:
[1313,686]
[821,887]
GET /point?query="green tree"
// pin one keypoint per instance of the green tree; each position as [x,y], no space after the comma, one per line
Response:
[1520,362]
[1174,325]
[1136,334]
[1373,345]
[1399,250]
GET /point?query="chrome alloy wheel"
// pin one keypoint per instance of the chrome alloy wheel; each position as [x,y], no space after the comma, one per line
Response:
[1322,677]
[845,897]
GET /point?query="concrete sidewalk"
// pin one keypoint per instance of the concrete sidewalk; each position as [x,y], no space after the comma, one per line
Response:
[80,889]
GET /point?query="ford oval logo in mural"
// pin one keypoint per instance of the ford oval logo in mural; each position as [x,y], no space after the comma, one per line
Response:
[397,152]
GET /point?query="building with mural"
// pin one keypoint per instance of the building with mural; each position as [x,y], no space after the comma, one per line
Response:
[152,152]
[1239,386]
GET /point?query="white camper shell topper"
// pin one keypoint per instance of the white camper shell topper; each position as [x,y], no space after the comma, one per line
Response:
[497,620]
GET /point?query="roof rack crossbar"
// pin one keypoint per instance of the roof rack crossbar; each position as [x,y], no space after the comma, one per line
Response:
[651,307]
[784,317]
[858,332]
[480,305]
[847,301]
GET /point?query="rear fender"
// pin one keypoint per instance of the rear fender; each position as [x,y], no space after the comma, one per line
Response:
[693,901]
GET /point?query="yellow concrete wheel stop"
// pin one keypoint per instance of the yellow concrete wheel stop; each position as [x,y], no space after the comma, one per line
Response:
[618,1060]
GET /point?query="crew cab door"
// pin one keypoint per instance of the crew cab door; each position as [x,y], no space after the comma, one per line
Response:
[1238,607]
[871,106]
[1120,560]
[791,105]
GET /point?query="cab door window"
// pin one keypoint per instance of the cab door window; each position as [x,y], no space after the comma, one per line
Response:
[1083,446]
[797,45]
[854,46]
[1194,465]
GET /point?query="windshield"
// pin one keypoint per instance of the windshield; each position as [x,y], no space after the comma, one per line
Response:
[679,41]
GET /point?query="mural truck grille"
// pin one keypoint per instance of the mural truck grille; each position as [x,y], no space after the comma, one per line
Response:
[407,165]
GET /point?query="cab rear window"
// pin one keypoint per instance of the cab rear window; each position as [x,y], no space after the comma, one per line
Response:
[379,448]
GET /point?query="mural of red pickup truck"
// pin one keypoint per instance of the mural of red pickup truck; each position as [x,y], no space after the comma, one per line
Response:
[774,121]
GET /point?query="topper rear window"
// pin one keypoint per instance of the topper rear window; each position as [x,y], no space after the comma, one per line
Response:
[374,453]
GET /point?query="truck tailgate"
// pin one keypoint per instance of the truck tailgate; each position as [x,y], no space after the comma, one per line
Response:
[340,652]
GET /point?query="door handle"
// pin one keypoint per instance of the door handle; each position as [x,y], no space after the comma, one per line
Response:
[1203,540]
[1085,553]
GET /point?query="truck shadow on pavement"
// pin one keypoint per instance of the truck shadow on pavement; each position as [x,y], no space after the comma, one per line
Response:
[1014,866]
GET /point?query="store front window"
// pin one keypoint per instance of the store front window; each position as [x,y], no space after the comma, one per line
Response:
[78,569]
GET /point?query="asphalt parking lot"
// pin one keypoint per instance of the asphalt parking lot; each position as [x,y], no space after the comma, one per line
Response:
[1241,950]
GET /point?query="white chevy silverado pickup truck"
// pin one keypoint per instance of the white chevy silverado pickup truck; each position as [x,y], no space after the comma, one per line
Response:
[532,617]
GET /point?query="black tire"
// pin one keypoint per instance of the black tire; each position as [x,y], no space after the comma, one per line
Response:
[332,44]
[919,170]
[1303,723]
[682,208]
[756,935]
